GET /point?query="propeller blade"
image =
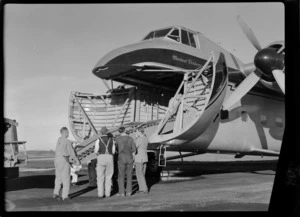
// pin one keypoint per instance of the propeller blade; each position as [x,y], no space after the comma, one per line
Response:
[281,49]
[249,33]
[280,78]
[242,89]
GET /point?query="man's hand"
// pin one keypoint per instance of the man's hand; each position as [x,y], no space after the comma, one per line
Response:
[74,161]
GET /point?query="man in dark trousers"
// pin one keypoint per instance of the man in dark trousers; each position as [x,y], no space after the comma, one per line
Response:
[92,171]
[126,149]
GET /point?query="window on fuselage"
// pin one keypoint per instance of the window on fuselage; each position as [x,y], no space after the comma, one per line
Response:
[174,35]
[192,39]
[157,34]
[185,37]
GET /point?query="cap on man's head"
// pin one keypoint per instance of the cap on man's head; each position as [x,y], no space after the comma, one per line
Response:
[103,130]
[121,129]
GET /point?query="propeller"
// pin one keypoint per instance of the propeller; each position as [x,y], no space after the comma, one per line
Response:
[268,63]
[249,33]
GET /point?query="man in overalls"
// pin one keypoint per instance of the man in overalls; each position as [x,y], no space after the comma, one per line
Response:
[104,148]
[64,156]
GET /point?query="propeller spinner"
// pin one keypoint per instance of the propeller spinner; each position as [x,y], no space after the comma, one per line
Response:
[269,66]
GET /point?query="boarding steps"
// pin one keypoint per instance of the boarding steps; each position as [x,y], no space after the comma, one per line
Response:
[188,105]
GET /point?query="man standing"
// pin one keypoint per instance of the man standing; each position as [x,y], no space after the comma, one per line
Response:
[104,149]
[126,148]
[64,156]
[141,159]
[92,171]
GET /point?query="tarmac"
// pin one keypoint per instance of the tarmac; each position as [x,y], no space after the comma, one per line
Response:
[214,183]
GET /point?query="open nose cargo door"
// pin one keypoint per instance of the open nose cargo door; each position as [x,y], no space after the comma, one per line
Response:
[188,115]
[184,116]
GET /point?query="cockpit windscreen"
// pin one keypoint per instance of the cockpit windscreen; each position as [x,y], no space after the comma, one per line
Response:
[158,34]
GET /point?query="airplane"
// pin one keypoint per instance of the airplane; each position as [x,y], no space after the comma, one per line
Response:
[189,94]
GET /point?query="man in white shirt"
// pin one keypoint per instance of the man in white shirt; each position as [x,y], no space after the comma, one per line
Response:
[104,149]
[141,159]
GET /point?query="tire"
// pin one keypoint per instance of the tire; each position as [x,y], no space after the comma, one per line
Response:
[152,166]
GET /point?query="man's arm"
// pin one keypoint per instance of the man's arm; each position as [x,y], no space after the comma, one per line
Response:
[133,146]
[117,146]
[96,146]
[113,147]
[137,142]
[71,152]
[58,141]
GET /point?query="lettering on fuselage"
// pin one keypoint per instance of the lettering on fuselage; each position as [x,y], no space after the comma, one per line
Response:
[189,61]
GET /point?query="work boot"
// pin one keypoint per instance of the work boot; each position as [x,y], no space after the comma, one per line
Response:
[120,195]
[55,196]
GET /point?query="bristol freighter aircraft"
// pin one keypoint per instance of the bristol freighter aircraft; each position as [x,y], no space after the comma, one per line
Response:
[189,94]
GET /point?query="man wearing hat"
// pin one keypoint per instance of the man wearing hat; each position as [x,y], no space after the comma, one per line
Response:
[104,149]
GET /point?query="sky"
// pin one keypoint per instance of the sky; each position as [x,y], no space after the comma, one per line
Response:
[50,50]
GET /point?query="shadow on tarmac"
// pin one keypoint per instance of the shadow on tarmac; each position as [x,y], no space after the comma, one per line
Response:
[187,169]
[36,181]
[82,191]
[192,169]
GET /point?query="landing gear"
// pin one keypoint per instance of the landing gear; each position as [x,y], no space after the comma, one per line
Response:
[152,167]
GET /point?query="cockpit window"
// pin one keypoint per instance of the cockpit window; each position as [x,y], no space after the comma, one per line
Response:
[175,35]
[185,37]
[188,38]
[192,40]
[158,33]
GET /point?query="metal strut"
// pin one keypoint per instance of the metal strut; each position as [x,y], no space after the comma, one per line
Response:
[85,115]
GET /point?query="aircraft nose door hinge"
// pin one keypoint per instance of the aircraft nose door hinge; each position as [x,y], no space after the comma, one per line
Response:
[224,114]
[162,156]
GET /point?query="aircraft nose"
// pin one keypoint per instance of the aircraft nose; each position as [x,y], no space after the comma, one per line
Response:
[113,63]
